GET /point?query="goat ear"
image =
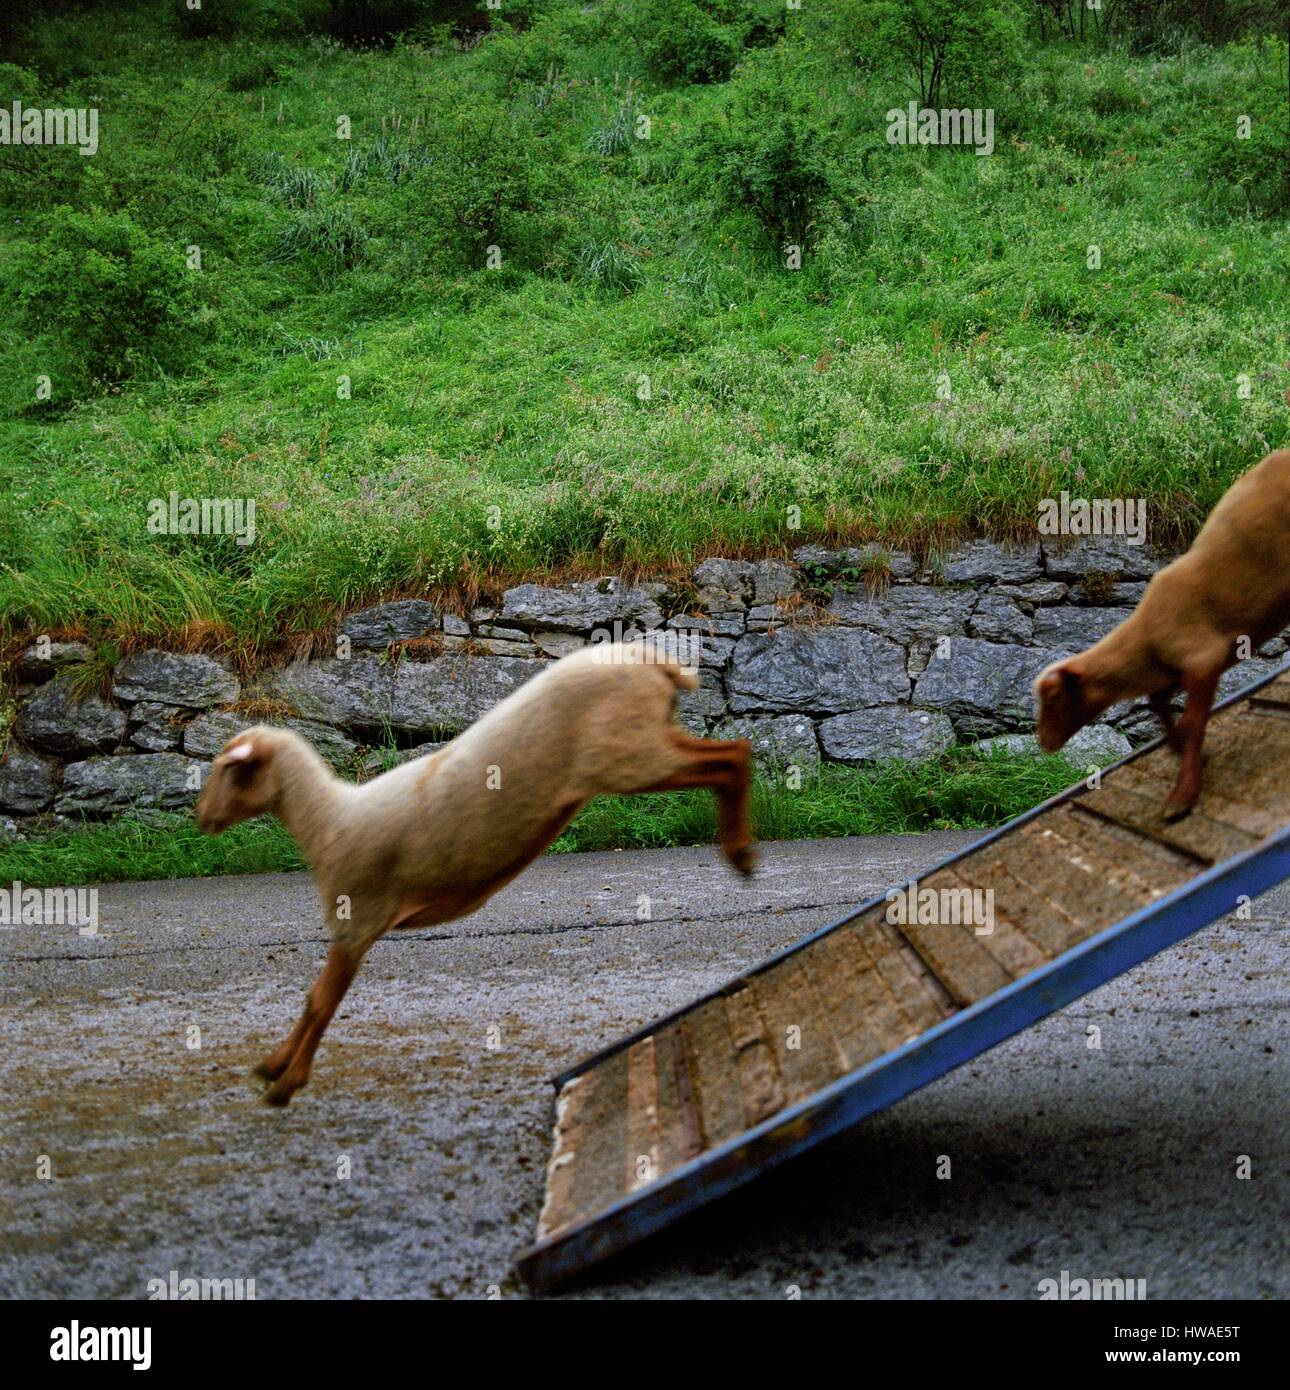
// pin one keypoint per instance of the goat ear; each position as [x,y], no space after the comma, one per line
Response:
[1058,679]
[248,753]
[1071,674]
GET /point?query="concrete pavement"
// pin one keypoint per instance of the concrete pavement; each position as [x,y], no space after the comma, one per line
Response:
[411,1166]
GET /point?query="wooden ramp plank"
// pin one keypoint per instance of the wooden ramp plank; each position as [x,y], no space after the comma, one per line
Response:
[1038,920]
[1275,693]
[557,1206]
[1135,868]
[1241,789]
[1209,840]
[679,1131]
[718,1099]
[952,948]
[642,1149]
[1071,874]
[1129,854]
[840,972]
[1016,954]
[860,953]
[806,1052]
[759,1078]
[597,1144]
[923,999]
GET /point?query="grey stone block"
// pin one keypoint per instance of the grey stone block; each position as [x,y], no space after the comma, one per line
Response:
[400,621]
[886,733]
[905,612]
[27,783]
[174,678]
[982,561]
[824,669]
[56,720]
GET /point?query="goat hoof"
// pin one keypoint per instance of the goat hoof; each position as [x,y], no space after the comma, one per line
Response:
[280,1093]
[1175,810]
[743,859]
[266,1071]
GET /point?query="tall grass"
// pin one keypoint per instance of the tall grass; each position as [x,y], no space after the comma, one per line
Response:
[492,423]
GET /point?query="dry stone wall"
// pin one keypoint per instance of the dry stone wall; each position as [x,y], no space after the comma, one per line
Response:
[853,656]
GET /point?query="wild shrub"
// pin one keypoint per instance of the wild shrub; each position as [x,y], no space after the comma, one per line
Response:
[226,19]
[253,73]
[365,22]
[112,295]
[1165,26]
[1241,143]
[946,52]
[493,180]
[770,151]
[682,42]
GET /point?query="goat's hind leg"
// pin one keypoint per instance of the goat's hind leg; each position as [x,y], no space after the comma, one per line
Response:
[724,767]
[276,1062]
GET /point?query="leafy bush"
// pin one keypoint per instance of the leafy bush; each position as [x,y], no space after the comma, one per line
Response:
[760,22]
[378,21]
[253,73]
[1250,171]
[224,19]
[355,22]
[682,43]
[485,176]
[113,294]
[768,151]
[1115,95]
[1162,26]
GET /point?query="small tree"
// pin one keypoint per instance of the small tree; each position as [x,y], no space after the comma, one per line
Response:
[942,45]
[683,43]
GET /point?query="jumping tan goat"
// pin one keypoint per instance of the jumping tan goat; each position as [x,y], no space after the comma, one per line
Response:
[432,840]
[1209,609]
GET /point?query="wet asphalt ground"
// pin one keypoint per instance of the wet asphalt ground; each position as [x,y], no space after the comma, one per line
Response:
[412,1164]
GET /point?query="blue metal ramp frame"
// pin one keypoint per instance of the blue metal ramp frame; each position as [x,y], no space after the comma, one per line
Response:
[1212,894]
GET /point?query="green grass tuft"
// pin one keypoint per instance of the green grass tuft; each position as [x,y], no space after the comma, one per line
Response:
[961,790]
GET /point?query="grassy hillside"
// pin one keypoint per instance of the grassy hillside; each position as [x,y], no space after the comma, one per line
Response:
[642,379]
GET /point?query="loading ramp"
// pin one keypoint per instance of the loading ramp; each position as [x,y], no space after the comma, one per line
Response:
[860,1013]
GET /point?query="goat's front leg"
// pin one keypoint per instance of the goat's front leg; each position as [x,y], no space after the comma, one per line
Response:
[288,1068]
[724,766]
[1191,738]
[1161,705]
[276,1062]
